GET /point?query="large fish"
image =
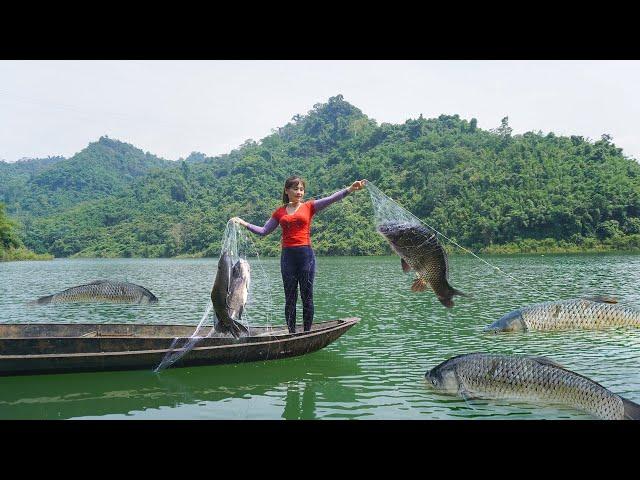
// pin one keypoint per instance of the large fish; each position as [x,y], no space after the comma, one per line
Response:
[239,289]
[101,291]
[533,379]
[584,313]
[420,250]
[221,293]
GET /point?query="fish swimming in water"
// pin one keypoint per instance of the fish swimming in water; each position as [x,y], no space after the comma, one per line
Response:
[221,293]
[584,313]
[420,250]
[101,291]
[534,379]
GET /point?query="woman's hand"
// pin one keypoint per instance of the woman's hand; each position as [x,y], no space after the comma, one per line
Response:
[357,185]
[239,221]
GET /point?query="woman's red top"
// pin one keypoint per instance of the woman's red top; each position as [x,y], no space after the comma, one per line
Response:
[296,228]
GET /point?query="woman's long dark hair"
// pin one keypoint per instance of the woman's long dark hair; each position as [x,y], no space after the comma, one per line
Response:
[291,182]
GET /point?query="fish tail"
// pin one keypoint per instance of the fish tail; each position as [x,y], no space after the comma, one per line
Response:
[458,292]
[631,410]
[420,285]
[447,301]
[238,329]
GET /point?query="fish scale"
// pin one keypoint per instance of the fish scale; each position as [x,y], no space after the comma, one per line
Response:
[580,313]
[102,291]
[419,248]
[529,378]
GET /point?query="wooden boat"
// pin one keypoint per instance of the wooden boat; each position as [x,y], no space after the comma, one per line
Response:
[40,348]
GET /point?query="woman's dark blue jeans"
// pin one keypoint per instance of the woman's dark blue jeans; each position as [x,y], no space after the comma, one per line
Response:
[298,267]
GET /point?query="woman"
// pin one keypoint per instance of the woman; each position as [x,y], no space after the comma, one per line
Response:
[297,262]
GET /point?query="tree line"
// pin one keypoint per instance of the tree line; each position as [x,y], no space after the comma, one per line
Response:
[490,191]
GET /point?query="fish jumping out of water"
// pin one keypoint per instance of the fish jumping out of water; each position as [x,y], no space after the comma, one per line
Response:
[583,313]
[420,250]
[533,379]
[101,291]
[222,293]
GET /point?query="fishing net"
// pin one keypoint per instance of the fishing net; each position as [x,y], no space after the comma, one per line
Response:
[393,221]
[417,244]
[391,218]
[386,210]
[238,246]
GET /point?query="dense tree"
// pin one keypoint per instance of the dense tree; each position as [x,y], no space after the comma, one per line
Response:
[11,247]
[490,191]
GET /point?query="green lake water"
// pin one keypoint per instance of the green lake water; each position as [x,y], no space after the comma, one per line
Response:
[374,371]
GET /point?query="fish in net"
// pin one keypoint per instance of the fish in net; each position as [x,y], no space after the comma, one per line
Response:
[232,291]
[416,244]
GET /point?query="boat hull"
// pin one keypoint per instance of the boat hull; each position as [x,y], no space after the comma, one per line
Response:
[71,348]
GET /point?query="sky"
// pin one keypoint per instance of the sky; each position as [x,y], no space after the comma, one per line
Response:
[173,108]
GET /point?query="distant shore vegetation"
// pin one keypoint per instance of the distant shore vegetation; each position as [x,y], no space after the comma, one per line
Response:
[490,191]
[11,247]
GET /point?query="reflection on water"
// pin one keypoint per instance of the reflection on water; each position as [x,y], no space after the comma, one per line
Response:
[375,371]
[141,393]
[296,408]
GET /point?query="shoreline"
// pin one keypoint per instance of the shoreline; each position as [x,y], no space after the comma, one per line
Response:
[497,252]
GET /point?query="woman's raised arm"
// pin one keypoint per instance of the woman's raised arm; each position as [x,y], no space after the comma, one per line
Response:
[269,227]
[322,203]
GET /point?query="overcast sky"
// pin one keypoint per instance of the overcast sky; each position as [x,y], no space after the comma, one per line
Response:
[171,108]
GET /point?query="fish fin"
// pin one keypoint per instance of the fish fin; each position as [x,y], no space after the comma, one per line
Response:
[43,300]
[405,266]
[419,285]
[631,409]
[466,396]
[602,299]
[462,294]
[447,302]
[548,361]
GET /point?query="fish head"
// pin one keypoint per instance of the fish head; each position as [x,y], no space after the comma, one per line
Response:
[511,322]
[443,377]
[241,273]
[242,269]
[404,237]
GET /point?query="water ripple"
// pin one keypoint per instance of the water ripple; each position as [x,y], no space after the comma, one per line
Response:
[375,371]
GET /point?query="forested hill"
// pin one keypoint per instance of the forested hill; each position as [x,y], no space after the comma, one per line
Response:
[102,169]
[11,246]
[486,190]
[15,176]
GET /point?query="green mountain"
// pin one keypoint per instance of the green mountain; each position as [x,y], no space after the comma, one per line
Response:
[104,168]
[11,246]
[15,176]
[487,190]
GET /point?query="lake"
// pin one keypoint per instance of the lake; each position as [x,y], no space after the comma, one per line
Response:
[374,371]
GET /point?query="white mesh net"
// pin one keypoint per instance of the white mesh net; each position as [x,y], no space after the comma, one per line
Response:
[238,247]
[416,243]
